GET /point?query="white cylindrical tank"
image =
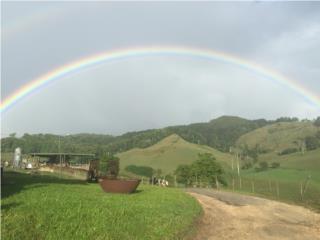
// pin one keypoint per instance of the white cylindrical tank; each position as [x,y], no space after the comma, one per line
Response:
[17,157]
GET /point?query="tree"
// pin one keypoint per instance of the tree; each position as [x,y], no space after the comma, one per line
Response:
[184,174]
[109,165]
[263,166]
[12,135]
[275,165]
[312,143]
[317,122]
[287,119]
[205,170]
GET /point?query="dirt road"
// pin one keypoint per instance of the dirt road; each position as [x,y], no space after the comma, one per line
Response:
[234,216]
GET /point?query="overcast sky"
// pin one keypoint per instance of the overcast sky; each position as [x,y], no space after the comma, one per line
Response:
[156,91]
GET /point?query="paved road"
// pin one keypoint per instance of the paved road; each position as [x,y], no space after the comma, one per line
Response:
[235,216]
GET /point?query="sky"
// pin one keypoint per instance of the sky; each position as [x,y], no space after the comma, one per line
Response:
[156,91]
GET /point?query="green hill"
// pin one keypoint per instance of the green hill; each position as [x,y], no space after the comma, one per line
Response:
[220,133]
[279,136]
[168,154]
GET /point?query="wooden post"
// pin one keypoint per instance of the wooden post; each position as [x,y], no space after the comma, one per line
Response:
[270,190]
[238,166]
[196,180]
[233,184]
[278,191]
[217,183]
[306,185]
[232,163]
[252,186]
[175,180]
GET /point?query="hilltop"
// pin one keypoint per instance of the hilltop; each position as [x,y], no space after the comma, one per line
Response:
[168,154]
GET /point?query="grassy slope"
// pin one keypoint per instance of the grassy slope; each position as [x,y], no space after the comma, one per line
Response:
[278,136]
[294,170]
[46,207]
[168,154]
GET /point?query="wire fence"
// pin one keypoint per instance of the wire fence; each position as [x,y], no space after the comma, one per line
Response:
[306,192]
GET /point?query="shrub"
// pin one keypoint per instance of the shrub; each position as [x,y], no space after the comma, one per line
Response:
[317,122]
[275,165]
[247,165]
[312,143]
[109,166]
[288,151]
[263,166]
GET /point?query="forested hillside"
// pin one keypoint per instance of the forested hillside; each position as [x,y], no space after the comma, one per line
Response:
[220,133]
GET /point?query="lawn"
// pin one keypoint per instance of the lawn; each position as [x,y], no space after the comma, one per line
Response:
[43,206]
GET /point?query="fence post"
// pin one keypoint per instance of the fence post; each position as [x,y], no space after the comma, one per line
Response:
[233,184]
[217,183]
[304,188]
[252,185]
[270,190]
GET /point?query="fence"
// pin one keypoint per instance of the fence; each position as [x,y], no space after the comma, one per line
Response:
[306,192]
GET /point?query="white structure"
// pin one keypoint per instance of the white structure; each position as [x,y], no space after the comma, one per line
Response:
[29,166]
[17,157]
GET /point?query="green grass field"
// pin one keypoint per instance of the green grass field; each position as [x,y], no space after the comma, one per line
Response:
[310,160]
[294,170]
[278,136]
[44,206]
[168,154]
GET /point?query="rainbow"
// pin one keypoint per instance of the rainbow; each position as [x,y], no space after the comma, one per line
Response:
[122,54]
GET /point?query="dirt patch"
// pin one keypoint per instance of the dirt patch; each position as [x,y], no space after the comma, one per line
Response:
[235,216]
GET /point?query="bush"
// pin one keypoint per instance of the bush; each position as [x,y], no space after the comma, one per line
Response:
[312,143]
[247,165]
[317,122]
[288,151]
[109,166]
[275,165]
[263,166]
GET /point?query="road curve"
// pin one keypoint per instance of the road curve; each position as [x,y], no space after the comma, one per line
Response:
[235,216]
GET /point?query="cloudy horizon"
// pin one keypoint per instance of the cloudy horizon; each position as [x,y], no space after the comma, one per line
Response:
[156,91]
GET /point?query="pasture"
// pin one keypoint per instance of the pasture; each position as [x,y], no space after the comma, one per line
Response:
[168,154]
[44,206]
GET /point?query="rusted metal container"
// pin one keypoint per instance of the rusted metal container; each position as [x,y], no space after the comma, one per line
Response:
[119,185]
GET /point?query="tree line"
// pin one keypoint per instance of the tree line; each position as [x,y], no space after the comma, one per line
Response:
[220,133]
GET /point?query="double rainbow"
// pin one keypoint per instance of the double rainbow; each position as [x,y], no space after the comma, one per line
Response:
[122,54]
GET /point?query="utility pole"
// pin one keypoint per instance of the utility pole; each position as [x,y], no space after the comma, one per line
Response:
[60,156]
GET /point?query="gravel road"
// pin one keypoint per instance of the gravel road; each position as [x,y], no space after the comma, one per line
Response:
[235,216]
